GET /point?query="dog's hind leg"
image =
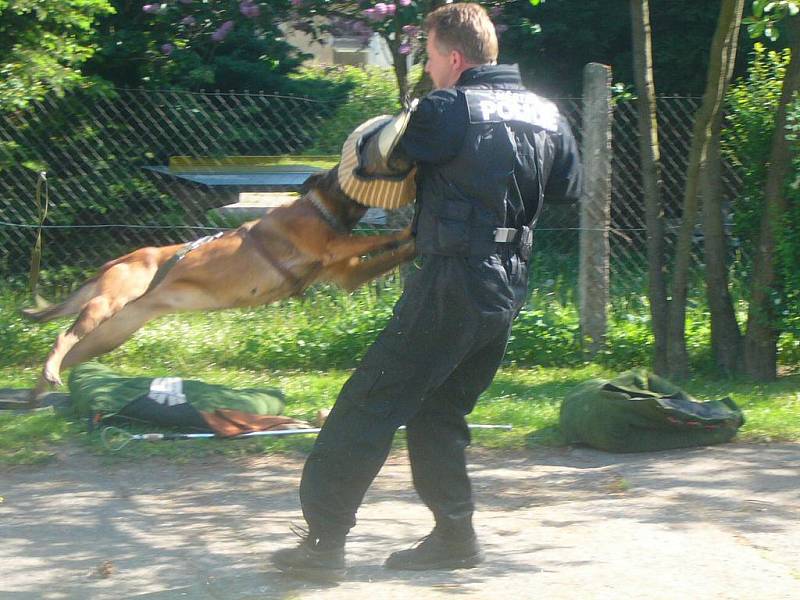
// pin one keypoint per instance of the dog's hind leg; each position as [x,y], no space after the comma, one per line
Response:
[113,332]
[103,338]
[114,290]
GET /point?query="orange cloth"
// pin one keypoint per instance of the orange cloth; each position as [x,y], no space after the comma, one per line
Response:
[226,422]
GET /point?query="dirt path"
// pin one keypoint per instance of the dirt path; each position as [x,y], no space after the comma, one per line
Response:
[720,522]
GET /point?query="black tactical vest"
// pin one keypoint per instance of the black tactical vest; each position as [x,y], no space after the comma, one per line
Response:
[497,178]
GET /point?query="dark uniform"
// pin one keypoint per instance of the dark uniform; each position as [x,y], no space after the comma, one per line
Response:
[488,152]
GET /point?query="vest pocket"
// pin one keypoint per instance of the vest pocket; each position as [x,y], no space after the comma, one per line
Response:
[452,227]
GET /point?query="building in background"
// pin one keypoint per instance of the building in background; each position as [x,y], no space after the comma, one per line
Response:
[349,44]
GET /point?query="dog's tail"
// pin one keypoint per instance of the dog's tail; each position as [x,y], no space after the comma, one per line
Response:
[44,311]
[41,313]
[35,313]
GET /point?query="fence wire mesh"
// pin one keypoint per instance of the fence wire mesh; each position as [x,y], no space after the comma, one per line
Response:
[98,150]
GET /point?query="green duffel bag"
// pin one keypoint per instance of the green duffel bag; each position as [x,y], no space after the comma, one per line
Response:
[642,412]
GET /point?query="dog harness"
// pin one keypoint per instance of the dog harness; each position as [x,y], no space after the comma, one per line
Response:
[162,271]
[299,283]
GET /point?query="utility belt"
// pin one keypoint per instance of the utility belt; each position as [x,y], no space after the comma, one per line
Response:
[480,242]
[521,239]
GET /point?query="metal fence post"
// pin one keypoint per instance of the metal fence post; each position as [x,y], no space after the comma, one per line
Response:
[595,211]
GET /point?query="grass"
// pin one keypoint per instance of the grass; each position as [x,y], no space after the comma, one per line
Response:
[527,398]
[32,438]
[310,345]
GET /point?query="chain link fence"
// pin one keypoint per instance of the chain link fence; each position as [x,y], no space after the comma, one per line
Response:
[98,151]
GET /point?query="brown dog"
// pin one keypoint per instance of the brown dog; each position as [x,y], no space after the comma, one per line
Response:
[262,261]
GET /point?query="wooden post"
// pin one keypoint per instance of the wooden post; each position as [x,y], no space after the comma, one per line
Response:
[595,218]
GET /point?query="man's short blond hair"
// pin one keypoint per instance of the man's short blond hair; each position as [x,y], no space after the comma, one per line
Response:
[465,27]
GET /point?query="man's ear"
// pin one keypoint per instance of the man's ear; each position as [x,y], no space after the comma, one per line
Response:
[456,59]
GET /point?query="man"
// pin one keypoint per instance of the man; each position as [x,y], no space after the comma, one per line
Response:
[487,153]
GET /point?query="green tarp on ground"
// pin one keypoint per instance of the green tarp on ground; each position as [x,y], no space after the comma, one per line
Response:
[641,412]
[97,392]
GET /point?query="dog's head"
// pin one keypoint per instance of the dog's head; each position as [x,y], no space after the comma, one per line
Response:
[326,184]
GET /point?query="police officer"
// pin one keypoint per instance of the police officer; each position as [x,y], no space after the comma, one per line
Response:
[488,153]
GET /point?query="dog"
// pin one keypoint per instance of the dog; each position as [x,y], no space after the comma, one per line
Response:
[263,261]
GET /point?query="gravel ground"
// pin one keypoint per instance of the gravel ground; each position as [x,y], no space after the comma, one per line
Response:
[720,522]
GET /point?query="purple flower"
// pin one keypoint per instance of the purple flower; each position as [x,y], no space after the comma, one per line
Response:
[391,9]
[380,9]
[188,21]
[222,32]
[371,14]
[248,9]
[151,8]
[404,48]
[411,30]
[404,2]
[297,2]
[167,49]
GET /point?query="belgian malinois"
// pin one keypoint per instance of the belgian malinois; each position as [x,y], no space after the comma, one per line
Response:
[278,256]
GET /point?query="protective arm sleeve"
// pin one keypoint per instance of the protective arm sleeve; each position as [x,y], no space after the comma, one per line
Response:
[373,163]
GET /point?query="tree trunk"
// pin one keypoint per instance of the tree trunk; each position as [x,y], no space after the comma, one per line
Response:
[401,72]
[720,69]
[650,159]
[400,65]
[726,338]
[761,339]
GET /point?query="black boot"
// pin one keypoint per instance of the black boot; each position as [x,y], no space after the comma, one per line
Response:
[438,551]
[314,558]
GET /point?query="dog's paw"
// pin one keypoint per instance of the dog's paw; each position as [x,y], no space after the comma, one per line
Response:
[405,234]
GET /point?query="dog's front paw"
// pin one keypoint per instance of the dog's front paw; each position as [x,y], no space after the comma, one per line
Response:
[405,234]
[408,250]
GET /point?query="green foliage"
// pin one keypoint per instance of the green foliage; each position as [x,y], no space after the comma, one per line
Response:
[42,46]
[371,91]
[329,329]
[752,106]
[187,45]
[766,16]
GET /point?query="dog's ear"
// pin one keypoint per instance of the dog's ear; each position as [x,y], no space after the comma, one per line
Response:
[324,180]
[315,181]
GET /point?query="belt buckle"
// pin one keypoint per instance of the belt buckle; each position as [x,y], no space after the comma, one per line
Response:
[504,234]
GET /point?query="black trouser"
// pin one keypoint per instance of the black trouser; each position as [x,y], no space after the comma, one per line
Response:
[439,352]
